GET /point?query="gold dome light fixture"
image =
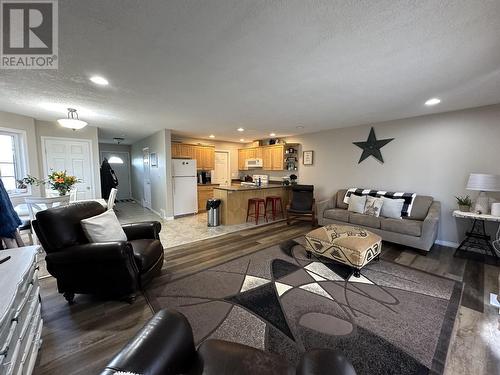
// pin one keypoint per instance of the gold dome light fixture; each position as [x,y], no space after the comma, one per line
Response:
[72,122]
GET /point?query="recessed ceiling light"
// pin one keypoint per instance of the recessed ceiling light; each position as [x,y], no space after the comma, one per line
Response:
[272,135]
[433,101]
[242,140]
[241,129]
[211,136]
[98,80]
[300,127]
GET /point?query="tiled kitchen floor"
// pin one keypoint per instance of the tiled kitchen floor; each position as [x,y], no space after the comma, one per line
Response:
[179,231]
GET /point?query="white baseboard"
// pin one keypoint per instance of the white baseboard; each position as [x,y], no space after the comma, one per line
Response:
[447,243]
[169,218]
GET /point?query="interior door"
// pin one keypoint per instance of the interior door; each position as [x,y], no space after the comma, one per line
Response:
[73,156]
[120,162]
[221,171]
[146,200]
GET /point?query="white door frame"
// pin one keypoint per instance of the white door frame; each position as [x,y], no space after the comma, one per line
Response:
[229,176]
[129,169]
[150,206]
[43,139]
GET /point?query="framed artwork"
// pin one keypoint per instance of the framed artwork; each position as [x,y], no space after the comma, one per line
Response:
[154,159]
[307,157]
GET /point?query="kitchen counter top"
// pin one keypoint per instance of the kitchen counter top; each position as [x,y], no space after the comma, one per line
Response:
[246,188]
[208,184]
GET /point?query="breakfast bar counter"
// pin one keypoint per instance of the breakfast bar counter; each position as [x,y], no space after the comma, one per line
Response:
[235,200]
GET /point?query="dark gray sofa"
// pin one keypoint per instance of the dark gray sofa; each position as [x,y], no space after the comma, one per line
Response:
[419,230]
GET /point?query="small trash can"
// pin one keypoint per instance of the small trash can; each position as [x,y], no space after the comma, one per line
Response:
[213,212]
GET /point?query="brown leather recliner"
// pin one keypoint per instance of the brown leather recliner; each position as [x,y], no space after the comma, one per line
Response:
[109,269]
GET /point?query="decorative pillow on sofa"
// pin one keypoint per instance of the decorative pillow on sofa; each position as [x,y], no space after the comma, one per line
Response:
[392,207]
[373,206]
[103,228]
[357,203]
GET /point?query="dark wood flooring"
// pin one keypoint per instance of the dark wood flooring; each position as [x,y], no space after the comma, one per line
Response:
[82,338]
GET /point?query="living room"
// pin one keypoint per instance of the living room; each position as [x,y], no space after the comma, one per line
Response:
[349,154]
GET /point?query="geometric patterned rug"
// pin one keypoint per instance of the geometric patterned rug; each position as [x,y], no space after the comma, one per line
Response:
[391,320]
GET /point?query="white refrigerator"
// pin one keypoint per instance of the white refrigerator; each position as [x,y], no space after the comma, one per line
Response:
[185,186]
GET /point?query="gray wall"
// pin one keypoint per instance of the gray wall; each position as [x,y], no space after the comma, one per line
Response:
[161,200]
[431,155]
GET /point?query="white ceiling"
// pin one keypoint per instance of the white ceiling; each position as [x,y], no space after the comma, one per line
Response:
[202,67]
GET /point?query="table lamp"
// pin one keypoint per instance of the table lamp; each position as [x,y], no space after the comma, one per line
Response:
[483,183]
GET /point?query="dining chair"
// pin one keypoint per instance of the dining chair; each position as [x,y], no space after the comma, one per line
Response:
[112,198]
[36,204]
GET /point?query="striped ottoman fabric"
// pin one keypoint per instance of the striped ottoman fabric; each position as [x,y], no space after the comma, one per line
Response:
[345,244]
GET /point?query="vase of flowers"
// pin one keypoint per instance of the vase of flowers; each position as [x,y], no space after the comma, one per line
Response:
[57,180]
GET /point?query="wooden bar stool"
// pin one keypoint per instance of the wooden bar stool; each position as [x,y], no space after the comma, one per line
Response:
[255,203]
[274,200]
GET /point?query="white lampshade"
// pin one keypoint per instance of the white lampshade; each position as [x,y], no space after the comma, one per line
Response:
[483,182]
[72,123]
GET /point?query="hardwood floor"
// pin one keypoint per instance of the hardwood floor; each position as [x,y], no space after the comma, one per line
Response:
[82,338]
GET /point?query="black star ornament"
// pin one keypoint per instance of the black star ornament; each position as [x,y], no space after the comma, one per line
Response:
[372,147]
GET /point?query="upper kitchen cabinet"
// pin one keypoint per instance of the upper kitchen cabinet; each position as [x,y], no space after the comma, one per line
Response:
[272,157]
[204,155]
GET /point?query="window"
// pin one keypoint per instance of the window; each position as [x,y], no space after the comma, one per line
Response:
[12,160]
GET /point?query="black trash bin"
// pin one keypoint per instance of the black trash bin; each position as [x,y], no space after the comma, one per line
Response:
[213,212]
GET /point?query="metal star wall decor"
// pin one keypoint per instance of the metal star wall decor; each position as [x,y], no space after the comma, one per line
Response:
[372,147]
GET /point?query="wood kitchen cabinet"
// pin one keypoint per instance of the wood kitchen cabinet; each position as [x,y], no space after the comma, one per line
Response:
[204,155]
[272,157]
[205,192]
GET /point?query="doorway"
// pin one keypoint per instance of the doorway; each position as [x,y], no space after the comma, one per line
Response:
[73,156]
[120,162]
[146,200]
[222,172]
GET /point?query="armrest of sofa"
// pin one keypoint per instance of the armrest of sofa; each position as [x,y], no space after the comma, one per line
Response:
[92,253]
[431,223]
[165,345]
[324,361]
[322,206]
[143,230]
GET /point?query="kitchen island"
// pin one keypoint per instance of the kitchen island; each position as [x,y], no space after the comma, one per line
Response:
[235,200]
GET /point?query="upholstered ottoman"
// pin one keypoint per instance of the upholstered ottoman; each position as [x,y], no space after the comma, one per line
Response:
[352,246]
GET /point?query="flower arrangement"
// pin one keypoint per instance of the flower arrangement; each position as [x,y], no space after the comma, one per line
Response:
[57,180]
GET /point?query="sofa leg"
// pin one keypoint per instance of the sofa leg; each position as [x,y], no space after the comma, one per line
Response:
[70,297]
[356,272]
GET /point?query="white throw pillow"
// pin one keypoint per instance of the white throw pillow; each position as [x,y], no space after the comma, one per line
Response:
[373,206]
[392,208]
[103,228]
[357,203]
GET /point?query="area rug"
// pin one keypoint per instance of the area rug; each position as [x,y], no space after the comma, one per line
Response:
[391,320]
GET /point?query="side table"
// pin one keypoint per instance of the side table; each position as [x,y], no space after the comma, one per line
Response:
[476,237]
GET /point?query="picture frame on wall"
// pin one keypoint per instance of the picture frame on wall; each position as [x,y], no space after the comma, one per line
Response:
[154,159]
[307,157]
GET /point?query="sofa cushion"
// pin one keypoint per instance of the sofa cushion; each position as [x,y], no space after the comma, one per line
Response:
[337,214]
[403,226]
[340,199]
[364,220]
[420,207]
[357,203]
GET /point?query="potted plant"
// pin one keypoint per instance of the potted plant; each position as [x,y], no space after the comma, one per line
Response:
[464,203]
[59,181]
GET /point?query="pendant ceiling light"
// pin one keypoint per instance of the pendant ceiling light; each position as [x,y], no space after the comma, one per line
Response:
[72,122]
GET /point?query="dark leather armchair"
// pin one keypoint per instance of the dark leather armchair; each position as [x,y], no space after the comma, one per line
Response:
[110,269]
[301,204]
[165,346]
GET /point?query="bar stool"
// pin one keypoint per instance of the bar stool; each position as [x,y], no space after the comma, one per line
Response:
[275,200]
[256,202]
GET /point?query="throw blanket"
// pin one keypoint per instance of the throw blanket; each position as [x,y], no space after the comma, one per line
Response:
[9,221]
[408,197]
